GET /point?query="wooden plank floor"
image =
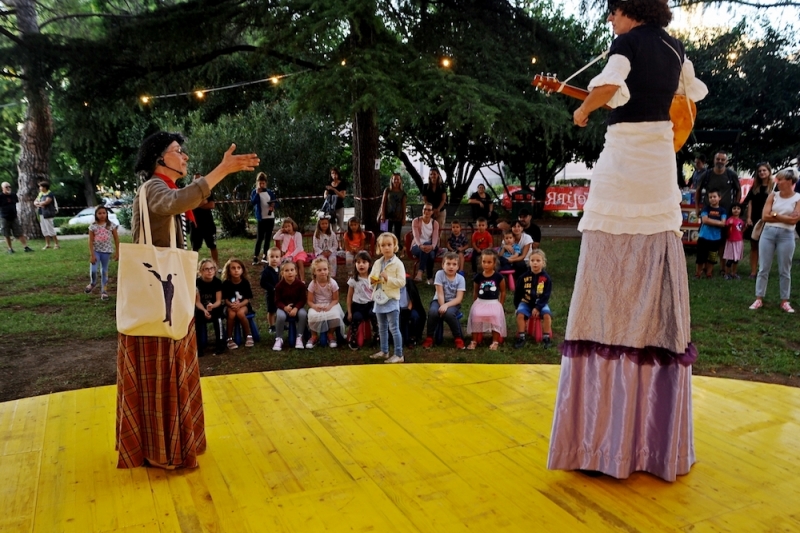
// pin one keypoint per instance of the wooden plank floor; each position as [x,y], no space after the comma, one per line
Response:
[385,448]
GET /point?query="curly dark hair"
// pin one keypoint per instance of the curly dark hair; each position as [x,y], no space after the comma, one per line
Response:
[151,151]
[647,11]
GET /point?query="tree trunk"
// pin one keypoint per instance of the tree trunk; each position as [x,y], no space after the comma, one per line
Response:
[90,181]
[36,136]
[366,186]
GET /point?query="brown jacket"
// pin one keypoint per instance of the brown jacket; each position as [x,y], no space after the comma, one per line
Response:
[165,206]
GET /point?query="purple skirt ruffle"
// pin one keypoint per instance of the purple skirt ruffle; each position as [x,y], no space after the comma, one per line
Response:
[648,355]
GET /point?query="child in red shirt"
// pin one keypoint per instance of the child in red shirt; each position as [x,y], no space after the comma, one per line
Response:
[481,239]
[734,245]
[354,240]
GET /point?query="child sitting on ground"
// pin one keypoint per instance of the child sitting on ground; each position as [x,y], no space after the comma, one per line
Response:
[481,240]
[510,251]
[326,244]
[359,300]
[290,299]
[354,241]
[488,295]
[446,304]
[458,243]
[324,311]
[734,245]
[291,242]
[208,303]
[237,293]
[531,298]
[269,279]
[412,314]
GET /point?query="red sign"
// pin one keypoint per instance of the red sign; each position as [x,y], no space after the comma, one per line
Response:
[566,198]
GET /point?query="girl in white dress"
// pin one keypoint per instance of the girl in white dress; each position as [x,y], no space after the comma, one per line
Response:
[324,311]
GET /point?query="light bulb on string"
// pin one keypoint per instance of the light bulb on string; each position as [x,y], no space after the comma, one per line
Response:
[144,99]
[200,94]
[533,60]
[446,62]
[274,80]
[344,62]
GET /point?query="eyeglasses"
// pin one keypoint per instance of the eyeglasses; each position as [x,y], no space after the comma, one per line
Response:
[427,209]
[179,151]
[209,268]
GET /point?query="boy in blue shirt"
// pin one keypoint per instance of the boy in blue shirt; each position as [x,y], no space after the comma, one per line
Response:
[710,236]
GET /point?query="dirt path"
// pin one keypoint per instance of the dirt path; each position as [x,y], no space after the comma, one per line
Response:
[31,368]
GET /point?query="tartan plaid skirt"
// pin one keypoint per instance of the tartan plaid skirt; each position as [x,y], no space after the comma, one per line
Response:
[159,403]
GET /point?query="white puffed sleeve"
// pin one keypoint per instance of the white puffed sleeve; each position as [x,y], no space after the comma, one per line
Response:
[614,73]
[693,88]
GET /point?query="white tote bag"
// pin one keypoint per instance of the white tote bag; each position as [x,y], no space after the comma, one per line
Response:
[155,286]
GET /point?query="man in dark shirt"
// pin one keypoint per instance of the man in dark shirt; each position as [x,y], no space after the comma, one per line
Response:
[205,230]
[722,179]
[530,227]
[9,223]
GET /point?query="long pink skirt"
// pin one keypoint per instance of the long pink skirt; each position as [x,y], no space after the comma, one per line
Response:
[624,395]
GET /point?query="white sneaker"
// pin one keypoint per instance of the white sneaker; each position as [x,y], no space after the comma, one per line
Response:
[278,345]
[379,355]
[395,359]
[299,343]
[309,345]
[332,343]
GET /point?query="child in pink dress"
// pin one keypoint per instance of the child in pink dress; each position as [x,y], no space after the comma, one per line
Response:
[290,241]
[489,293]
[735,243]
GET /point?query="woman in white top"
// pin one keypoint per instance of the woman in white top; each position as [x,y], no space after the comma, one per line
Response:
[425,230]
[780,216]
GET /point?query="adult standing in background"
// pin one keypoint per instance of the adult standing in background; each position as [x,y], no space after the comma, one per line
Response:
[160,419]
[699,169]
[46,203]
[755,200]
[264,201]
[393,207]
[777,238]
[483,206]
[9,222]
[624,400]
[721,179]
[531,228]
[336,192]
[204,228]
[435,193]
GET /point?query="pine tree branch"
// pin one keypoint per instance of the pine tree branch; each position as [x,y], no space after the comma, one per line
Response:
[81,16]
[11,36]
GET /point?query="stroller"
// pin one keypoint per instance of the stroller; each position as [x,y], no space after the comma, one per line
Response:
[329,209]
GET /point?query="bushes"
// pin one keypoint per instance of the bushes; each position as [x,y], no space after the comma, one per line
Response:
[75,229]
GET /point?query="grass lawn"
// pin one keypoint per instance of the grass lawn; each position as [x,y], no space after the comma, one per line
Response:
[47,318]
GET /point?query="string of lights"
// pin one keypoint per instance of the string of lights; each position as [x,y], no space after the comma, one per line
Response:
[200,93]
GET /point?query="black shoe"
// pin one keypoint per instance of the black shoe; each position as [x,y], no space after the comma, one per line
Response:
[546,342]
[28,249]
[11,251]
[353,345]
[256,261]
[520,342]
[272,330]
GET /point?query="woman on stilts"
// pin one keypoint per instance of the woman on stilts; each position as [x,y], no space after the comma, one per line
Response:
[624,394]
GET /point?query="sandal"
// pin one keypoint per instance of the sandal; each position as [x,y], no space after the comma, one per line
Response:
[494,346]
[232,345]
[89,288]
[472,345]
[248,343]
[104,295]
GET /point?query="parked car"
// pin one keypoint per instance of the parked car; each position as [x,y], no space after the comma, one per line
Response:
[86,216]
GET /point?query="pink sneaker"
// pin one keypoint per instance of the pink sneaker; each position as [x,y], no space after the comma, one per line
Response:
[786,307]
[756,305]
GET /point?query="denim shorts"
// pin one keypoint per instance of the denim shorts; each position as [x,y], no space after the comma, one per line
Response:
[526,309]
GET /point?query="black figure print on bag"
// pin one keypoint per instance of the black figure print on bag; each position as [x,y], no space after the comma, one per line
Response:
[169,291]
